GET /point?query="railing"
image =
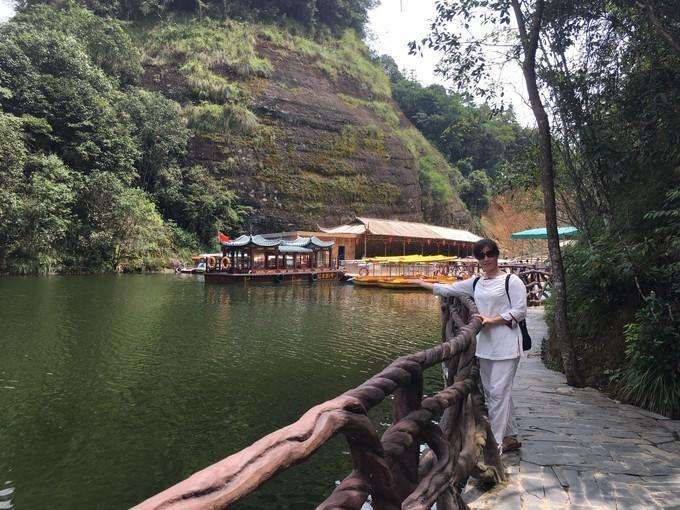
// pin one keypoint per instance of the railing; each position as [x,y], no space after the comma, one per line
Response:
[538,283]
[453,423]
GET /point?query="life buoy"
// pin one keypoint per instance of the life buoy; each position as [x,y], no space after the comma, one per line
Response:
[211,262]
[313,277]
[363,271]
[224,263]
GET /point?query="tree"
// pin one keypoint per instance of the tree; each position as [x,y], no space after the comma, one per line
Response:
[470,136]
[475,192]
[529,37]
[465,60]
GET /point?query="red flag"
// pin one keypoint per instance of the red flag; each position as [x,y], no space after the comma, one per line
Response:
[222,238]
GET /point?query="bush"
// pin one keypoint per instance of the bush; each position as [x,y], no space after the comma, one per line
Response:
[206,85]
[650,378]
[227,45]
[223,119]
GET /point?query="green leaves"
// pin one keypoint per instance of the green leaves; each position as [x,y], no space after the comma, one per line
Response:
[91,165]
[650,376]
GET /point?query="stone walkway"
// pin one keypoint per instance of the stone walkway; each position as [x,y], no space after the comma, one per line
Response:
[581,449]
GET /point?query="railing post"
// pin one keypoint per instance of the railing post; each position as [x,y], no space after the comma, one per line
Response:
[406,399]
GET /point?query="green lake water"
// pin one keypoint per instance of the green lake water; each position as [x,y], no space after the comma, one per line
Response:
[113,388]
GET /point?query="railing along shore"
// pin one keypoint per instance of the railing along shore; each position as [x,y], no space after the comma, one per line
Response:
[391,469]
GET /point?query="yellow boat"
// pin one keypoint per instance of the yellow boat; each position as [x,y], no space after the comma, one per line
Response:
[366,281]
[398,283]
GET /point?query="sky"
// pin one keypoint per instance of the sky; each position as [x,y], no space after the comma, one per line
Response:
[6,9]
[391,26]
[394,23]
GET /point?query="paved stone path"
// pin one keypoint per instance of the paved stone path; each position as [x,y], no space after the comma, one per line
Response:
[581,449]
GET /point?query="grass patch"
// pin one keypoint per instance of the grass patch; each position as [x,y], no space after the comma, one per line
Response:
[228,45]
[347,56]
[209,118]
[356,190]
[206,50]
[382,109]
[354,138]
[206,85]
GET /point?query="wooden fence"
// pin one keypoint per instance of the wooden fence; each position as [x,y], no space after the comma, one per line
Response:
[391,469]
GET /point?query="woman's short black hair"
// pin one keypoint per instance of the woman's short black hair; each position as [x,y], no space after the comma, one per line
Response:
[478,249]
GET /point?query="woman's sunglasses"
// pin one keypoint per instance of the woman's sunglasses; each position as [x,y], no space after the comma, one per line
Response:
[490,254]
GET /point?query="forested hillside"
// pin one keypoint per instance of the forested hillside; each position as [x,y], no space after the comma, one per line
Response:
[133,131]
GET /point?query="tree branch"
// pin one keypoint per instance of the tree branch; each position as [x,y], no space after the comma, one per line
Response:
[648,9]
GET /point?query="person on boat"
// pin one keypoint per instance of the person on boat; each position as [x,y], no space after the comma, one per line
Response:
[499,343]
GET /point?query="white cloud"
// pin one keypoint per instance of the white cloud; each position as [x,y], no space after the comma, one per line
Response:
[394,23]
[6,9]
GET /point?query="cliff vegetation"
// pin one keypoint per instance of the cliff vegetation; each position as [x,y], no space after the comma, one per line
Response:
[133,131]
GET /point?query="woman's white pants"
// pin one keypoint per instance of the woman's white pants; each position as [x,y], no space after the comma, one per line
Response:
[497,377]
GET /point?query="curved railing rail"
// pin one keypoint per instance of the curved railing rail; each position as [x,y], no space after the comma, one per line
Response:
[390,469]
[538,283]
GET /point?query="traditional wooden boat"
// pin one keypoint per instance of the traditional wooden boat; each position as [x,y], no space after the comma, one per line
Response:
[254,258]
[273,276]
[366,281]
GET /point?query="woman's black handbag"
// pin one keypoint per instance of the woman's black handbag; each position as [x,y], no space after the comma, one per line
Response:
[526,338]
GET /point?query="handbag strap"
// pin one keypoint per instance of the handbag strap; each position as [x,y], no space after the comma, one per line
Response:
[507,288]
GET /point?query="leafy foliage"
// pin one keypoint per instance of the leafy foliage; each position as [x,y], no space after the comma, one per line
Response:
[472,138]
[336,15]
[617,103]
[94,175]
[649,378]
[475,192]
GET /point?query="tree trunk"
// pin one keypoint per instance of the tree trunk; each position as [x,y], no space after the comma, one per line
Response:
[530,43]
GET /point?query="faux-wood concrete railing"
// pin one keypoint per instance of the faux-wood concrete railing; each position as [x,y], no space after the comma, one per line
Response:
[453,423]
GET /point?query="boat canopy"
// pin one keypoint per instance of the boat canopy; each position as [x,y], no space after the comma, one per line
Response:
[308,243]
[287,248]
[257,240]
[542,233]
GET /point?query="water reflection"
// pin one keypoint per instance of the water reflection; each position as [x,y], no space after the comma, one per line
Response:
[121,386]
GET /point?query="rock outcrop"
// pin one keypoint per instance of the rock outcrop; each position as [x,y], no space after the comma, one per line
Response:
[326,141]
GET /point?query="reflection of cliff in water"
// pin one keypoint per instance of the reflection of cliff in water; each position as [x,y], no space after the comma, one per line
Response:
[109,375]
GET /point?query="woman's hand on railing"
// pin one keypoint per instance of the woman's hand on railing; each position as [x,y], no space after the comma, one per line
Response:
[423,284]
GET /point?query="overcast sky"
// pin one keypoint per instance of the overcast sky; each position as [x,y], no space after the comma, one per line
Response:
[6,9]
[392,25]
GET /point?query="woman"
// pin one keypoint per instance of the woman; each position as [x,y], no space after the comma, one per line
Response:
[499,343]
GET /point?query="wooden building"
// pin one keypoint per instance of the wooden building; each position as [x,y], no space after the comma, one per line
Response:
[373,237]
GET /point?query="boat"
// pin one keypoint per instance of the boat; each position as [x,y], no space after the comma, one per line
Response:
[399,282]
[199,268]
[366,281]
[254,258]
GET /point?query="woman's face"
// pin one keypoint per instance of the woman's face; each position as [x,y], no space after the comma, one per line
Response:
[489,260]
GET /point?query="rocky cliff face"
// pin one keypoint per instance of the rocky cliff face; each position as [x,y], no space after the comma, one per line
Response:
[306,133]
